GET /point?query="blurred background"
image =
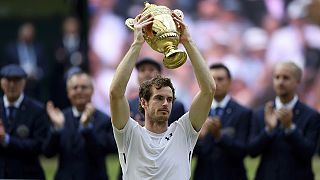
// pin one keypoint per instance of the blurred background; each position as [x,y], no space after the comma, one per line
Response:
[50,38]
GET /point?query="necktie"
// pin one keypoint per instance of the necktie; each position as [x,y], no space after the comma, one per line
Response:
[77,121]
[76,136]
[218,111]
[12,114]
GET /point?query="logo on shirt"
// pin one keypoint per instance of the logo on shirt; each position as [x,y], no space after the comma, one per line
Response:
[168,137]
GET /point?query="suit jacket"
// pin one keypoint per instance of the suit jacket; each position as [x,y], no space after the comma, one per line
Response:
[223,159]
[20,158]
[63,56]
[285,155]
[82,151]
[177,110]
[12,55]
[62,64]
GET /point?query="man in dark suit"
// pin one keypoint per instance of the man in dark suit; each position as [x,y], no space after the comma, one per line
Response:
[23,126]
[221,147]
[70,52]
[81,135]
[285,131]
[30,55]
[147,69]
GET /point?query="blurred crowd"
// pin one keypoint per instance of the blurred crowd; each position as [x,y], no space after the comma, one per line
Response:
[249,37]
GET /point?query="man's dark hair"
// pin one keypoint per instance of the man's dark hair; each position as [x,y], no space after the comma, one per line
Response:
[221,66]
[145,90]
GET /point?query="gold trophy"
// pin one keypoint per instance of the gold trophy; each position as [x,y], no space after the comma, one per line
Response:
[162,35]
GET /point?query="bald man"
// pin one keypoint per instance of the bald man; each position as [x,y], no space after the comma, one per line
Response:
[285,131]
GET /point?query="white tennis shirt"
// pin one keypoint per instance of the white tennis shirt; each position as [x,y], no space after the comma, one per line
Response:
[145,155]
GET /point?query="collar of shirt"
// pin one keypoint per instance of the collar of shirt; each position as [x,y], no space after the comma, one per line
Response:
[75,112]
[222,103]
[289,105]
[16,104]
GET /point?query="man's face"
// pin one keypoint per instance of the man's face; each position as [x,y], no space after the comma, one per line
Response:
[222,82]
[284,81]
[27,33]
[146,72]
[71,26]
[160,104]
[13,87]
[79,90]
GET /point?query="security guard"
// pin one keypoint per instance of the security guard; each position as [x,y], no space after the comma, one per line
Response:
[23,126]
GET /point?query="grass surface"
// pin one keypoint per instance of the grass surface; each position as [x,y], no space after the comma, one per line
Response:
[50,166]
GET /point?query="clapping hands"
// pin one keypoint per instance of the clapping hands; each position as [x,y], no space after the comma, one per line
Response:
[87,113]
[2,131]
[211,125]
[55,114]
[272,116]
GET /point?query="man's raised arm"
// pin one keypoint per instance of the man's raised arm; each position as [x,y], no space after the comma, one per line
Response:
[201,103]
[118,103]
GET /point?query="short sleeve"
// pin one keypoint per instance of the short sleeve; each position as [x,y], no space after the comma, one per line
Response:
[123,136]
[191,133]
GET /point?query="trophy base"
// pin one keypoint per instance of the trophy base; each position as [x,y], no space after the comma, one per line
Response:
[174,59]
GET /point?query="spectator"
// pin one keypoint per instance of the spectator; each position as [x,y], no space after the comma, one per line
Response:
[23,126]
[31,56]
[292,41]
[70,51]
[81,135]
[255,41]
[285,131]
[222,141]
[108,45]
[257,10]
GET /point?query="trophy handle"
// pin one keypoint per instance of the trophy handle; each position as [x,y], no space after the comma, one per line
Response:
[179,13]
[129,23]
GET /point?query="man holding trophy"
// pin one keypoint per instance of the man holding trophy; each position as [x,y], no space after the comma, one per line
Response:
[157,151]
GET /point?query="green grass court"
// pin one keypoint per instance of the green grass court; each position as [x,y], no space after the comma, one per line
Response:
[113,167]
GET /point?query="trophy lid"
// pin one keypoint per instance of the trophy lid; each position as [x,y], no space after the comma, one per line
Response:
[148,5]
[155,9]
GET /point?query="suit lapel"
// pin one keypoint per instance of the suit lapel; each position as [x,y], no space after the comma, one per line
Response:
[227,115]
[3,115]
[297,111]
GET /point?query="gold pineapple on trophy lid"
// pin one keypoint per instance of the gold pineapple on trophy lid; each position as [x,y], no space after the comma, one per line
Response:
[162,35]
